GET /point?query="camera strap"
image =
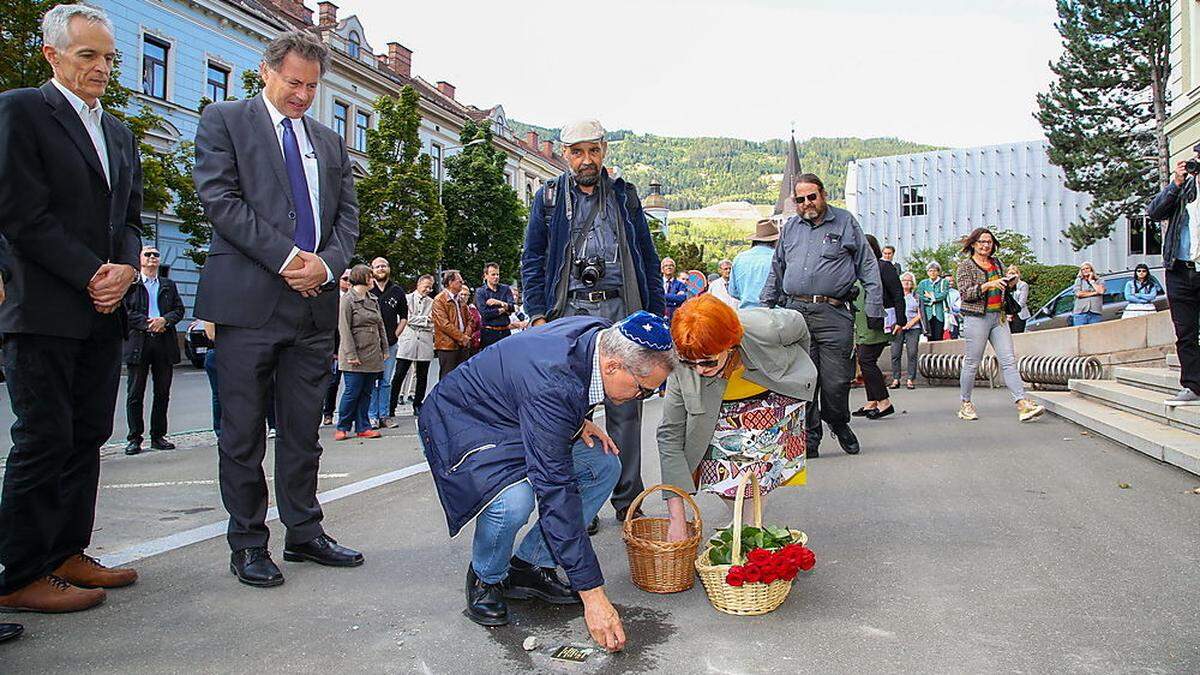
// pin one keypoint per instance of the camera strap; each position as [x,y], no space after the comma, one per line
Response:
[580,231]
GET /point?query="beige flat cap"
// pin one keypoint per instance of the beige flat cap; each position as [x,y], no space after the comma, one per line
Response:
[581,131]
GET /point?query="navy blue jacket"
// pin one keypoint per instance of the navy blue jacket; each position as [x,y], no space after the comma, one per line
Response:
[494,316]
[543,259]
[510,414]
[674,296]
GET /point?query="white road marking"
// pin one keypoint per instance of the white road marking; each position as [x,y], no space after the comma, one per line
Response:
[198,534]
[210,481]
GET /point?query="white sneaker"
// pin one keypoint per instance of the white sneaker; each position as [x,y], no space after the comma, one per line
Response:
[1027,410]
[967,411]
[1184,397]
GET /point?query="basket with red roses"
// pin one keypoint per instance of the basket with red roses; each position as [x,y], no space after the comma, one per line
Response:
[760,581]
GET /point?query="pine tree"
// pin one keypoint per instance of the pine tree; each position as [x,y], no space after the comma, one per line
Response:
[399,215]
[485,220]
[1105,115]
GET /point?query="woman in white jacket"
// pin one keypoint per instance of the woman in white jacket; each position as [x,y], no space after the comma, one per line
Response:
[415,346]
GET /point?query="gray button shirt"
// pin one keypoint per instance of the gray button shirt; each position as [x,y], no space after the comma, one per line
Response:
[824,258]
[601,240]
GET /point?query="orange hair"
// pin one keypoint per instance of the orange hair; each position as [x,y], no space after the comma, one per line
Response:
[704,326]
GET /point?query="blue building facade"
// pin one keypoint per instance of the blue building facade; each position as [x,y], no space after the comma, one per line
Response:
[173,53]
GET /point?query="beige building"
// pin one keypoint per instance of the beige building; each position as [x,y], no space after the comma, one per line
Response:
[1183,125]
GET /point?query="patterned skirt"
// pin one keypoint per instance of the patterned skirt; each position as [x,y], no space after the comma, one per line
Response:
[763,434]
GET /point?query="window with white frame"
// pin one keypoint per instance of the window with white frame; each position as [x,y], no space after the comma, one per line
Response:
[216,86]
[155,58]
[1145,235]
[435,153]
[341,119]
[912,200]
[353,43]
[362,122]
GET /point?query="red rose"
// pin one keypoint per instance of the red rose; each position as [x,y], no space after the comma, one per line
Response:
[753,575]
[769,576]
[807,560]
[758,556]
[735,578]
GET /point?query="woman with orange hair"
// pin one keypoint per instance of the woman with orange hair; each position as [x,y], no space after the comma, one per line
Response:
[736,401]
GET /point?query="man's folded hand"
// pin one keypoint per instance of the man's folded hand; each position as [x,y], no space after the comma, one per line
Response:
[308,277]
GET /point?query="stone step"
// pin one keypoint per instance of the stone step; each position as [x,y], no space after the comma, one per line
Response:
[1173,360]
[1144,402]
[1162,442]
[1165,380]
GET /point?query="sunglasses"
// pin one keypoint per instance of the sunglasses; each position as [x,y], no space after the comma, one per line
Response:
[800,199]
[643,392]
[150,254]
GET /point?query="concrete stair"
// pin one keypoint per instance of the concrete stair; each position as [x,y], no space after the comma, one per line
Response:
[1130,410]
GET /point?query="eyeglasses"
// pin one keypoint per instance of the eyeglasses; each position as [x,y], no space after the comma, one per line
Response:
[150,254]
[643,392]
[800,199]
[703,363]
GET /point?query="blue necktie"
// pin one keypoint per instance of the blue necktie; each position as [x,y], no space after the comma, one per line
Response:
[306,227]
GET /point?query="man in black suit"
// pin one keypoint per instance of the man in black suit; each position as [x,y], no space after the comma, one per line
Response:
[151,350]
[70,206]
[278,189]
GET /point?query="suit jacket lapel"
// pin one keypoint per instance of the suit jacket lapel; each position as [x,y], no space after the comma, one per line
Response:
[116,154]
[69,119]
[325,189]
[266,136]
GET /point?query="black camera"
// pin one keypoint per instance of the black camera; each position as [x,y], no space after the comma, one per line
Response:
[1192,166]
[589,270]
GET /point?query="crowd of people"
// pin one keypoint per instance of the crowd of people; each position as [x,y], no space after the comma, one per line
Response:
[751,372]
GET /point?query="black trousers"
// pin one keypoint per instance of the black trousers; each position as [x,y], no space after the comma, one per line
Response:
[868,361]
[63,393]
[332,390]
[402,366]
[1183,293]
[487,336]
[832,351]
[937,330]
[449,359]
[292,352]
[155,363]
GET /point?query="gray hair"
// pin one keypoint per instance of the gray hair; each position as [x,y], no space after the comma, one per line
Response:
[726,261]
[910,276]
[305,45]
[57,21]
[639,360]
[934,265]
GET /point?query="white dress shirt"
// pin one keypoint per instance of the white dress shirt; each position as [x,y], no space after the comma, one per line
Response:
[91,118]
[311,174]
[1193,211]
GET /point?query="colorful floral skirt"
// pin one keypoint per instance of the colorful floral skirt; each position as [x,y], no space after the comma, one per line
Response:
[763,434]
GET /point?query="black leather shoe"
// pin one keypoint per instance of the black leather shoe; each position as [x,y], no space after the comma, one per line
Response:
[133,448]
[877,413]
[323,550]
[847,439]
[594,526]
[161,444]
[621,513]
[526,581]
[485,602]
[254,567]
[10,631]
[862,412]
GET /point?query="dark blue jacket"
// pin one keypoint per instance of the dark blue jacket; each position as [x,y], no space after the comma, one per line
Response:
[494,316]
[543,259]
[1171,205]
[510,414]
[674,296]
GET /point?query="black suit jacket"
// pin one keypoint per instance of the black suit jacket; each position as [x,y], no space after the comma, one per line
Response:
[61,218]
[241,180]
[137,305]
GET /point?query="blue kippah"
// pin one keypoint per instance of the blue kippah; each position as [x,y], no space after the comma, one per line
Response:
[647,330]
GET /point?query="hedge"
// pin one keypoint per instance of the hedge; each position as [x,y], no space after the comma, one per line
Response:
[1045,282]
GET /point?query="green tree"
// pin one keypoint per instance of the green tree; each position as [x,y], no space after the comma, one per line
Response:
[485,220]
[1015,249]
[252,83]
[686,254]
[1106,113]
[400,217]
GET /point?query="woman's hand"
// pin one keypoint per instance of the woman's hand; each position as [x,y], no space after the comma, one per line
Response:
[354,362]
[677,529]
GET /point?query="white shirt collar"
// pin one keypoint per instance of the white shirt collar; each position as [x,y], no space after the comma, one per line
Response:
[148,280]
[596,387]
[276,116]
[78,103]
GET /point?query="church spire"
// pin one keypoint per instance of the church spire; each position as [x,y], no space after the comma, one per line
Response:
[786,207]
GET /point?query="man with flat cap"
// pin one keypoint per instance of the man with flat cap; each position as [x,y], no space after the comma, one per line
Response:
[530,443]
[588,252]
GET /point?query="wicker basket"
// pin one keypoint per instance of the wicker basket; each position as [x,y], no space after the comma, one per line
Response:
[750,599]
[655,564]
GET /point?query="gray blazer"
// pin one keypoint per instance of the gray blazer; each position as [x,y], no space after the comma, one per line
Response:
[242,183]
[774,351]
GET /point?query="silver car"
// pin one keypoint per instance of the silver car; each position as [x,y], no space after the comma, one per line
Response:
[1057,312]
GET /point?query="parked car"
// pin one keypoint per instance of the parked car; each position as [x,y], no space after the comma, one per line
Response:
[196,343]
[1057,312]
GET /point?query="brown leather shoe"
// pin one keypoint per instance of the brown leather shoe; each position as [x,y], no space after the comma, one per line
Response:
[53,595]
[85,571]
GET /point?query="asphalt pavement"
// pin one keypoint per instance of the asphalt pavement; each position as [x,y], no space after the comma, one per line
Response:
[945,547]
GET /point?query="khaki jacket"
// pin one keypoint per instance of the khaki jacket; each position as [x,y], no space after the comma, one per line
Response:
[361,334]
[446,334]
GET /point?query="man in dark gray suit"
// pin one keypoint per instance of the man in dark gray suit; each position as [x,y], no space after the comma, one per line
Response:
[277,187]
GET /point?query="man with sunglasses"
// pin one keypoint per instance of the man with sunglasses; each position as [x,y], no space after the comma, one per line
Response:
[151,350]
[821,254]
[530,440]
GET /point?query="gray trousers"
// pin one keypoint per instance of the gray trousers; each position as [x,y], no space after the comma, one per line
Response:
[977,332]
[622,422]
[290,349]
[832,351]
[908,339]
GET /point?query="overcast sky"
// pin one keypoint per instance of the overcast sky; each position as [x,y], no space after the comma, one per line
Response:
[945,72]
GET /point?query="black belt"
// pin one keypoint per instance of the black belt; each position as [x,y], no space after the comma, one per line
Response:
[596,296]
[836,302]
[1187,264]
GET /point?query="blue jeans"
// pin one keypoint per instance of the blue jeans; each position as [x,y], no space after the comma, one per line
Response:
[210,367]
[381,392]
[1084,318]
[356,397]
[497,525]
